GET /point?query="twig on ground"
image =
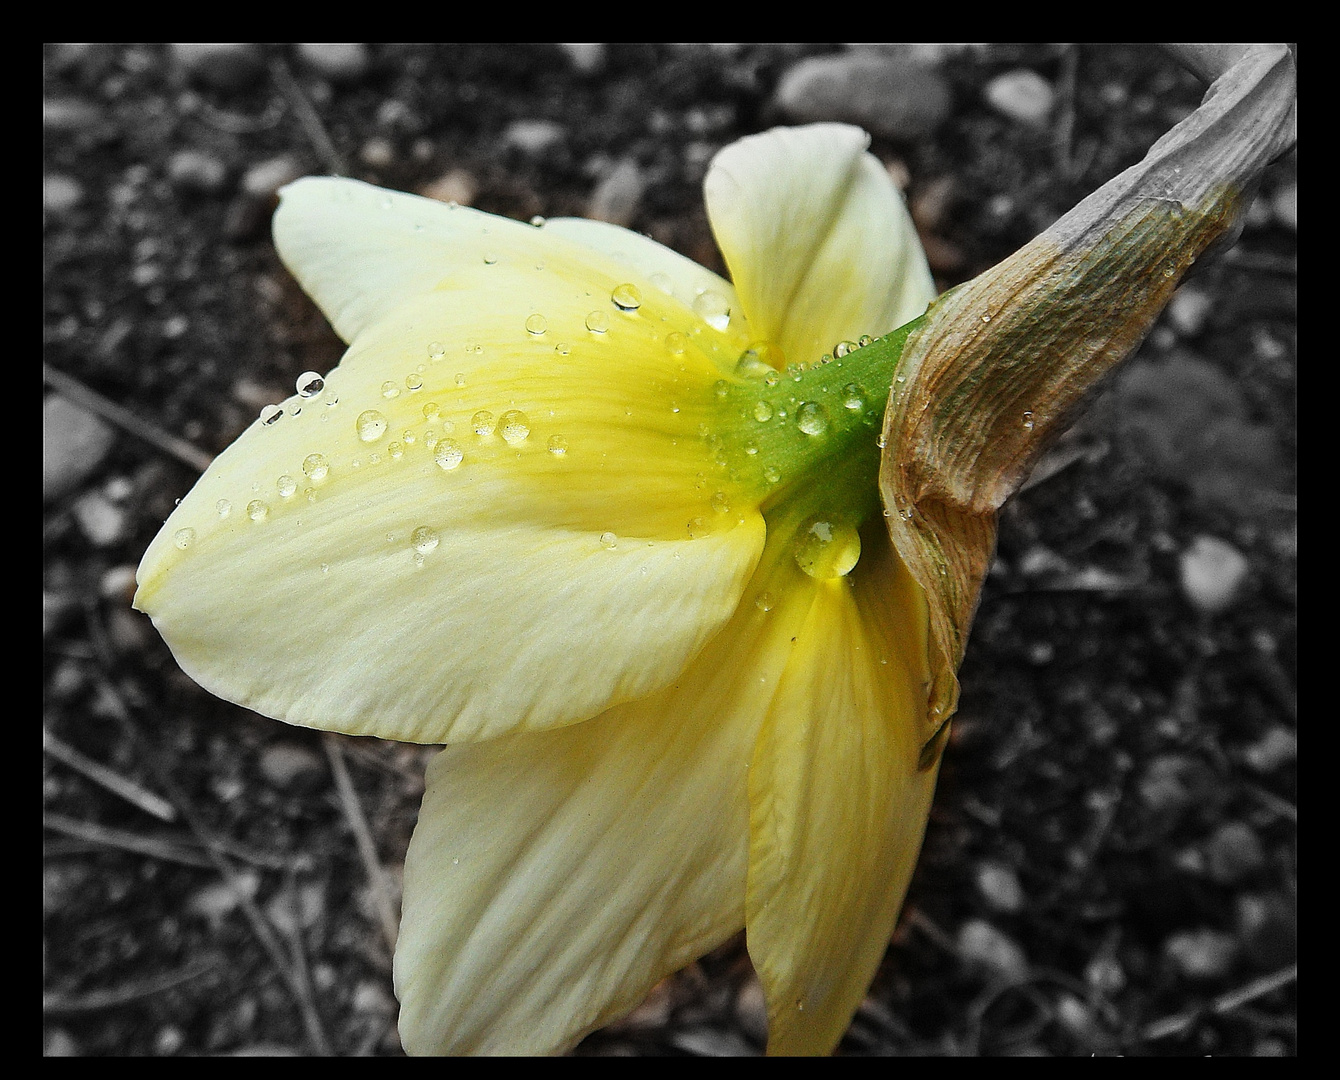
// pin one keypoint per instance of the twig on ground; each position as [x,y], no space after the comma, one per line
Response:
[367,849]
[1223,1004]
[107,778]
[185,452]
[96,1000]
[310,120]
[90,832]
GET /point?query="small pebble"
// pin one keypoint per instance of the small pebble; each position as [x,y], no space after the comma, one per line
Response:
[458,186]
[533,137]
[1022,95]
[992,951]
[1201,954]
[264,179]
[1000,888]
[68,114]
[587,57]
[227,66]
[897,96]
[377,153]
[1189,310]
[370,997]
[288,766]
[1233,853]
[216,901]
[102,522]
[1213,572]
[339,62]
[618,196]
[197,173]
[60,194]
[118,584]
[1268,927]
[1276,747]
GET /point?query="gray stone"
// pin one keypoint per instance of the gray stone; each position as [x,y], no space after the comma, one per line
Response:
[337,61]
[196,173]
[898,96]
[60,194]
[74,444]
[1022,95]
[1213,572]
[618,196]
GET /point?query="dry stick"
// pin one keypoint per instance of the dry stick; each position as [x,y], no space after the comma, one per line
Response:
[310,120]
[90,832]
[105,777]
[126,420]
[367,850]
[1223,1004]
[97,1000]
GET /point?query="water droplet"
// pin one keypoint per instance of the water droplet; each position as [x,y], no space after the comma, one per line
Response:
[490,258]
[697,528]
[396,450]
[797,371]
[390,390]
[558,445]
[436,350]
[771,379]
[460,379]
[827,549]
[853,397]
[597,322]
[183,538]
[223,508]
[901,378]
[271,414]
[609,541]
[447,455]
[514,426]
[663,281]
[562,348]
[414,382]
[721,387]
[257,510]
[626,297]
[310,384]
[1169,269]
[370,425]
[986,316]
[865,340]
[1028,421]
[538,221]
[483,423]
[331,400]
[812,418]
[764,601]
[750,449]
[423,539]
[720,503]
[430,411]
[536,324]
[287,486]
[762,412]
[881,442]
[843,348]
[325,568]
[772,474]
[713,309]
[676,342]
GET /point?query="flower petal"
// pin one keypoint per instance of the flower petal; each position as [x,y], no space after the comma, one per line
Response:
[554,878]
[817,238]
[837,803]
[553,584]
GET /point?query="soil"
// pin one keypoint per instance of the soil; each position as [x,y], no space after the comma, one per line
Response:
[1110,867]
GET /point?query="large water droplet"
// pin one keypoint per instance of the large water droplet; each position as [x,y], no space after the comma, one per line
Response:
[812,418]
[713,309]
[843,348]
[315,467]
[609,541]
[271,414]
[370,425]
[257,510]
[721,503]
[514,427]
[286,486]
[627,297]
[414,381]
[390,390]
[423,539]
[483,423]
[184,538]
[447,454]
[697,528]
[827,549]
[558,445]
[436,350]
[676,342]
[597,322]
[536,324]
[309,384]
[764,601]
[772,474]
[853,397]
[762,412]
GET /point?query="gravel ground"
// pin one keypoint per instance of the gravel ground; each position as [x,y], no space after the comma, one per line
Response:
[1110,866]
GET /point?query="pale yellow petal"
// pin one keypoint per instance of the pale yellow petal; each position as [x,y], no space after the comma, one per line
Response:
[692,285]
[554,878]
[837,801]
[817,238]
[553,584]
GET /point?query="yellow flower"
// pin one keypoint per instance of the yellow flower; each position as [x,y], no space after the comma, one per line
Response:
[605,524]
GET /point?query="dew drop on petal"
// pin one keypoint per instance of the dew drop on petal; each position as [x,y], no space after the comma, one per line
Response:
[370,425]
[271,414]
[853,397]
[483,423]
[626,297]
[423,539]
[223,508]
[663,281]
[609,541]
[844,348]
[772,474]
[390,390]
[764,601]
[183,538]
[447,454]
[562,348]
[309,384]
[286,486]
[436,350]
[536,324]
[827,549]
[414,381]
[597,322]
[490,258]
[812,418]
[721,503]
[430,410]
[865,340]
[514,427]
[257,510]
[460,379]
[697,528]
[676,342]
[762,412]
[713,309]
[538,221]
[558,445]
[396,450]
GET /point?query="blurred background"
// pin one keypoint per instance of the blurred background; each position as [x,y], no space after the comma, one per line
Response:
[1110,867]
